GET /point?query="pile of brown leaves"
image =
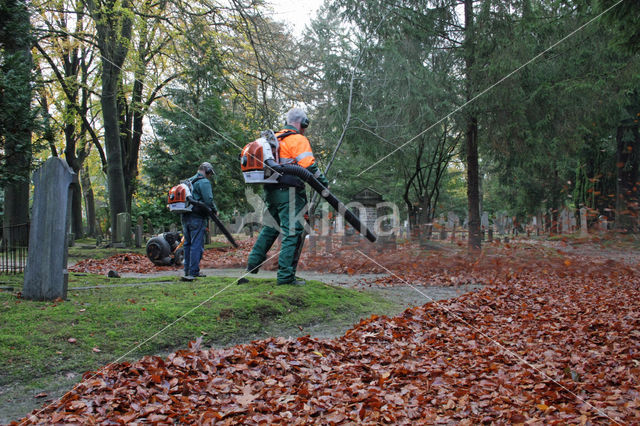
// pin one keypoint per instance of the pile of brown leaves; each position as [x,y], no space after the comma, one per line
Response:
[125,262]
[551,340]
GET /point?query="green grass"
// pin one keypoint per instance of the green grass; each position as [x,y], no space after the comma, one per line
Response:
[34,344]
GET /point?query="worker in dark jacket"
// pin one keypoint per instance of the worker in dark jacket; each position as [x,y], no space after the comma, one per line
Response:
[194,224]
[285,198]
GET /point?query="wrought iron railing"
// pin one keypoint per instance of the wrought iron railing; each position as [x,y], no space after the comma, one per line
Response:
[14,241]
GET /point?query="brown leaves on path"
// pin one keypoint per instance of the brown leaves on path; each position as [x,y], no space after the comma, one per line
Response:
[547,342]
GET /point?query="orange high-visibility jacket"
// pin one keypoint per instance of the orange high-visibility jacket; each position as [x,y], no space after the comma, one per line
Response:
[295,149]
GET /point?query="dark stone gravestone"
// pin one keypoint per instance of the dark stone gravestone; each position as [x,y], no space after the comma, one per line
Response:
[46,276]
[138,233]
[123,230]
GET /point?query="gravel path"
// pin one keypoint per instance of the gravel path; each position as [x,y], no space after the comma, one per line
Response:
[404,295]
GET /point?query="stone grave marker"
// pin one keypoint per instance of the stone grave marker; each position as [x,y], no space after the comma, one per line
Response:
[138,232]
[46,276]
[564,221]
[500,223]
[339,225]
[123,230]
[584,231]
[484,220]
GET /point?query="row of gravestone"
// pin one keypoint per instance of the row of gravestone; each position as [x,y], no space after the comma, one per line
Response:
[46,276]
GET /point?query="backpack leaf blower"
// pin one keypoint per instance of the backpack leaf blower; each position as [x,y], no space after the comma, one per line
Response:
[259,164]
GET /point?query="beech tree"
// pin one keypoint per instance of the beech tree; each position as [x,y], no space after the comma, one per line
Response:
[15,112]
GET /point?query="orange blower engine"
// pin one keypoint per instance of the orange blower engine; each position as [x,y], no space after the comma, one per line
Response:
[178,201]
[255,155]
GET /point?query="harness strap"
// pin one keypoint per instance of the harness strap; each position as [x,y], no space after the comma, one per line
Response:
[287,133]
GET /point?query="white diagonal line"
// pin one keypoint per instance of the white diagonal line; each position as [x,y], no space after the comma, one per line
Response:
[571,34]
[120,358]
[495,342]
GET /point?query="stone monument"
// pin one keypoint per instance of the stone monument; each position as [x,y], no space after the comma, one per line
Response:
[46,276]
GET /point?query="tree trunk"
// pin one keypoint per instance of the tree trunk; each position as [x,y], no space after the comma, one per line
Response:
[89,203]
[113,25]
[473,191]
[131,148]
[15,100]
[473,185]
[115,173]
[627,139]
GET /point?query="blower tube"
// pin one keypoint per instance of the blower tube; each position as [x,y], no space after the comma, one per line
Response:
[308,177]
[204,210]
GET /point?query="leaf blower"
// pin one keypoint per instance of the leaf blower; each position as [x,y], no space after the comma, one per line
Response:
[166,249]
[259,163]
[181,201]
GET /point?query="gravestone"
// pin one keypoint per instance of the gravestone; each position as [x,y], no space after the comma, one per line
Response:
[46,276]
[564,221]
[123,230]
[500,223]
[339,226]
[484,220]
[572,222]
[369,200]
[138,233]
[603,224]
[584,231]
[442,225]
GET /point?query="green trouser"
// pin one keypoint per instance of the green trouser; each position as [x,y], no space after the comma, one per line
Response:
[283,204]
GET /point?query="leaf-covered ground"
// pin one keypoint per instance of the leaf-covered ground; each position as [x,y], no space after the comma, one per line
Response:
[553,338]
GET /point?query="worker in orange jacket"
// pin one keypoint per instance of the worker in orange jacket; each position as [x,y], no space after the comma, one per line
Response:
[286,197]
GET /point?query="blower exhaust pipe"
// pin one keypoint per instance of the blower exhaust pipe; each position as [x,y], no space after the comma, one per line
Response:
[305,175]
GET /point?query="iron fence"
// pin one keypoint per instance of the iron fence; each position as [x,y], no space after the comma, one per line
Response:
[14,241]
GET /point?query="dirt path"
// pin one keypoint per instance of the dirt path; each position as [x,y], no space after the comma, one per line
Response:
[403,295]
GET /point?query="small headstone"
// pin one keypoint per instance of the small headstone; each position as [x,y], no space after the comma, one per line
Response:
[584,231]
[173,227]
[564,221]
[46,276]
[490,236]
[572,222]
[138,236]
[484,220]
[123,229]
[339,226]
[603,223]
